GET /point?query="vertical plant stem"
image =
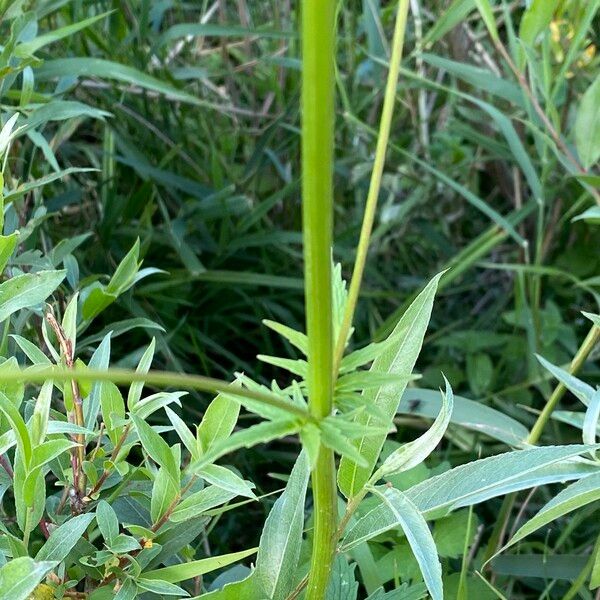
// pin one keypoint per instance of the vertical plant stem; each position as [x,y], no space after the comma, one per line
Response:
[375,184]
[584,350]
[318,32]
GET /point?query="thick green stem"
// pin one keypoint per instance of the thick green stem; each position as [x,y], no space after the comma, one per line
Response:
[375,184]
[318,32]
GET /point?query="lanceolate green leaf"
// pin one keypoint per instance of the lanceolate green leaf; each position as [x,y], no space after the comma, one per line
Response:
[195,568]
[246,438]
[63,538]
[157,448]
[489,477]
[227,480]
[28,290]
[398,360]
[57,34]
[578,388]
[218,421]
[20,576]
[414,453]
[18,426]
[478,481]
[401,512]
[467,413]
[199,502]
[485,9]
[7,246]
[587,125]
[280,542]
[106,69]
[535,19]
[583,492]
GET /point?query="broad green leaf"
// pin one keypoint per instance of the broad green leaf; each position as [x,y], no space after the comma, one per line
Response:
[27,291]
[578,388]
[95,301]
[414,453]
[399,360]
[279,548]
[157,448]
[49,450]
[218,421]
[33,353]
[127,591]
[227,480]
[164,493]
[199,502]
[123,544]
[195,568]
[113,408]
[8,244]
[107,520]
[63,538]
[125,272]
[578,494]
[20,576]
[587,125]
[467,413]
[236,590]
[401,512]
[535,19]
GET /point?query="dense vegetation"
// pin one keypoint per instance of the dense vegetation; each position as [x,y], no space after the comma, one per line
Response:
[191,136]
